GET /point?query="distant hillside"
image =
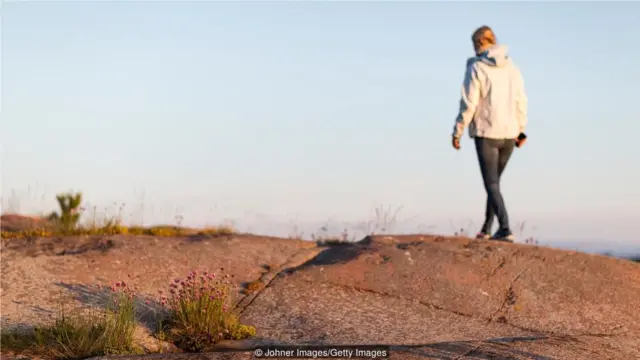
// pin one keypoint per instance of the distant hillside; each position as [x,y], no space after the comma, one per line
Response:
[635,258]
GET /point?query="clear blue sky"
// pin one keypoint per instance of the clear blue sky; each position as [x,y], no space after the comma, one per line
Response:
[303,112]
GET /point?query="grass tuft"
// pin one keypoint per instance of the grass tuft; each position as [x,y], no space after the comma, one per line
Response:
[81,335]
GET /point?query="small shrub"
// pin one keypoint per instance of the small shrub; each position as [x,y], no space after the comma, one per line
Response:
[200,312]
[81,335]
[333,241]
[253,287]
[323,239]
[69,215]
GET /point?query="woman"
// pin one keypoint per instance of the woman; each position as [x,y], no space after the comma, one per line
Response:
[494,107]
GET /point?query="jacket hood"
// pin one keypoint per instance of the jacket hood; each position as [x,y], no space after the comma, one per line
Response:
[496,55]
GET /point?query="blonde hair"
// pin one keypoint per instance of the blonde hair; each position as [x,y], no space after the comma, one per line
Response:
[482,36]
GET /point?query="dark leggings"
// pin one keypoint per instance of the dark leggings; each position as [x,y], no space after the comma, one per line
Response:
[493,155]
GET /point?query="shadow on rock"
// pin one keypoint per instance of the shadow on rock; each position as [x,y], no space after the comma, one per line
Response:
[148,311]
[491,349]
[494,349]
[60,246]
[21,328]
[334,255]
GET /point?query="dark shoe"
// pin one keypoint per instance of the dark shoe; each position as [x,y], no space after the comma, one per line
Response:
[503,235]
[483,236]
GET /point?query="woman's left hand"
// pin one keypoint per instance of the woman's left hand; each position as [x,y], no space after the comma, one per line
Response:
[455,142]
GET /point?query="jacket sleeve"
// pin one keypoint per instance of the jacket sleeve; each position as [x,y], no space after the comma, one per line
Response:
[468,101]
[522,103]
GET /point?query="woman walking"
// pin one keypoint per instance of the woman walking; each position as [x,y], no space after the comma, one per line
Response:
[494,107]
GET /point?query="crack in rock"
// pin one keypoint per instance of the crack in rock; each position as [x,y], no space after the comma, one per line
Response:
[267,278]
[509,298]
[500,320]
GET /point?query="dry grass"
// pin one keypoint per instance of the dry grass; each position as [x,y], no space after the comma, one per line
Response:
[159,231]
[66,221]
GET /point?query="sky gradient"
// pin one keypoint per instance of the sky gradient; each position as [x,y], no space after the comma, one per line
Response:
[275,114]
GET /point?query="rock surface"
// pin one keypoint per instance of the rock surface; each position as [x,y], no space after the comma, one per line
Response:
[17,222]
[429,297]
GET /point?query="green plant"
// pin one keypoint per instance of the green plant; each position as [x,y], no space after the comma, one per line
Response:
[69,215]
[81,335]
[200,312]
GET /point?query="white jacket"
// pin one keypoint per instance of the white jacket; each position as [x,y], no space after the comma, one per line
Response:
[493,103]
